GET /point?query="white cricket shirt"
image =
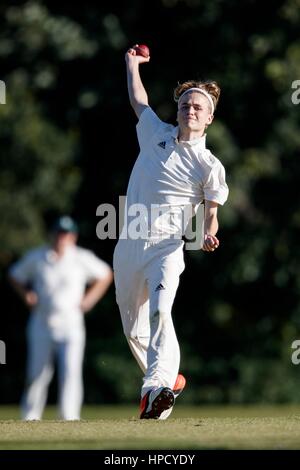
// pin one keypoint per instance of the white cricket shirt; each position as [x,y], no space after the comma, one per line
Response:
[170,176]
[59,282]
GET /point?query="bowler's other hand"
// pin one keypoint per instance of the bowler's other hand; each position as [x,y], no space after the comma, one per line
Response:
[210,243]
[31,298]
[132,57]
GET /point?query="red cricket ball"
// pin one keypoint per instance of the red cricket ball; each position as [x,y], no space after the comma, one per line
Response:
[142,49]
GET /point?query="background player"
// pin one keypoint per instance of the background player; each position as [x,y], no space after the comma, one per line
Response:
[52,282]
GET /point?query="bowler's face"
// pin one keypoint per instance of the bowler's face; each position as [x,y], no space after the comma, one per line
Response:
[194,112]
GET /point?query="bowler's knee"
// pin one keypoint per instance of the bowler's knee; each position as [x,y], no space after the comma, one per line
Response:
[161,317]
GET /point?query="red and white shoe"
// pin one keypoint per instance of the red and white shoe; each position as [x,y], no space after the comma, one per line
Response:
[177,389]
[158,404]
[155,402]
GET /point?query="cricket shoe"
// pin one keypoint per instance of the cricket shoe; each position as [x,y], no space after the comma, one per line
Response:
[177,389]
[155,402]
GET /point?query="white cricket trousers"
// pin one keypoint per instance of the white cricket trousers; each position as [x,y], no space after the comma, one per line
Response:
[146,278]
[43,349]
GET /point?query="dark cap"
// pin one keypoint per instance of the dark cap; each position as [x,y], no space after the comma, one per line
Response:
[65,223]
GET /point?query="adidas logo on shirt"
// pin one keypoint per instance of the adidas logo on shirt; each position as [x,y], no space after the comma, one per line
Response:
[159,287]
[162,144]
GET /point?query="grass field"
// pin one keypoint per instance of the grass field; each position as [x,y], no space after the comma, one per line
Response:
[118,427]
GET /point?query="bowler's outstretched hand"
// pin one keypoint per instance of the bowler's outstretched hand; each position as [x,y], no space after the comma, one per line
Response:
[133,56]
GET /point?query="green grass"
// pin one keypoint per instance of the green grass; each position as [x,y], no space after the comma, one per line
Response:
[118,427]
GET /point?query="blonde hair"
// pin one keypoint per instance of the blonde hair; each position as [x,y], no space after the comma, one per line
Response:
[210,87]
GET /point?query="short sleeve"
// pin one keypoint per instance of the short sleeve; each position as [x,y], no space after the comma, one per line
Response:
[94,267]
[23,270]
[215,188]
[149,124]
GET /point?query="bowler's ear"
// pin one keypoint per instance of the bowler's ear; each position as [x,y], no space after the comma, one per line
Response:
[210,119]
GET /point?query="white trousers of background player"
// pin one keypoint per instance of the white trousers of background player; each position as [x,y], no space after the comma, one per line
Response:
[42,351]
[146,284]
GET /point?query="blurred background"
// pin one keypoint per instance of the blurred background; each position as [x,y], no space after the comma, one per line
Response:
[68,144]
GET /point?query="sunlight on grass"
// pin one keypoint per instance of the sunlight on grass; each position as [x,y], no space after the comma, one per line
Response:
[117,427]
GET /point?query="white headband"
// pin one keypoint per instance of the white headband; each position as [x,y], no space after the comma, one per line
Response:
[200,90]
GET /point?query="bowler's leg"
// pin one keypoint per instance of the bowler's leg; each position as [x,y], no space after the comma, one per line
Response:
[163,354]
[139,341]
[133,301]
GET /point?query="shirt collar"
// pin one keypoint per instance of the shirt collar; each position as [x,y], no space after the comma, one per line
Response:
[201,141]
